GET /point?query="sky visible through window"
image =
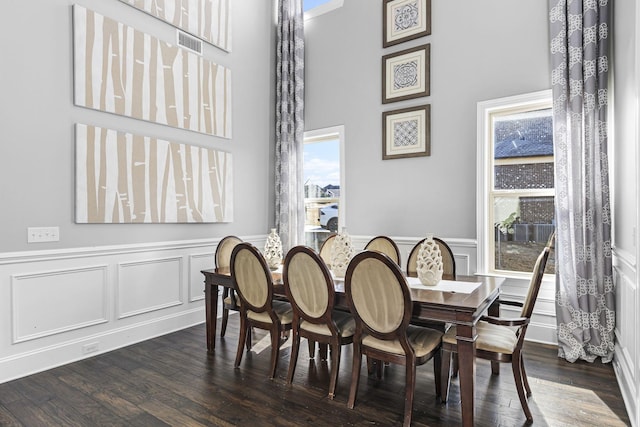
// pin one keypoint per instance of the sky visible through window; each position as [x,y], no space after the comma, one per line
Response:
[310,4]
[322,163]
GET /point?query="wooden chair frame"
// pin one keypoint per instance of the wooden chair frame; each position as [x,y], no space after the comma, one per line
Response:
[448,260]
[275,327]
[226,292]
[325,249]
[335,340]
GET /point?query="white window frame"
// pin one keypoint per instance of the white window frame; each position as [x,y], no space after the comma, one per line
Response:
[485,173]
[330,133]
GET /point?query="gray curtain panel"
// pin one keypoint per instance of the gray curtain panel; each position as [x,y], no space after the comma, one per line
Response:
[290,123]
[585,292]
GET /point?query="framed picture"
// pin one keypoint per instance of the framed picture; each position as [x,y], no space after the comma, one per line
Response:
[406,132]
[406,74]
[404,20]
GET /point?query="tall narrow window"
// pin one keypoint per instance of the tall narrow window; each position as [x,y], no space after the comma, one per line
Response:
[323,184]
[516,201]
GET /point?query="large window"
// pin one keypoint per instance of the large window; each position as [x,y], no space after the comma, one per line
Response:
[516,182]
[313,8]
[323,183]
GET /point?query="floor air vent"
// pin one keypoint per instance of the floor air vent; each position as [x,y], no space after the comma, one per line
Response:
[190,42]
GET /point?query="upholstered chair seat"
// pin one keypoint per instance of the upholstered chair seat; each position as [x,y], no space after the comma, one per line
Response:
[492,338]
[282,310]
[223,261]
[343,321]
[422,340]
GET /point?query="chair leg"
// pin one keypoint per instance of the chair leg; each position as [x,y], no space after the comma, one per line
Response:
[312,348]
[355,375]
[225,318]
[517,376]
[295,347]
[410,387]
[445,375]
[525,380]
[495,368]
[323,351]
[275,349]
[335,366]
[454,365]
[241,339]
[437,371]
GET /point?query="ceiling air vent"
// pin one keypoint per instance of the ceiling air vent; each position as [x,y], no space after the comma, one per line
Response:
[192,43]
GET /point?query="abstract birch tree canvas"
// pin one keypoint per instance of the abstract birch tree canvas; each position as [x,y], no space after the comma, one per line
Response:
[127,178]
[120,70]
[209,20]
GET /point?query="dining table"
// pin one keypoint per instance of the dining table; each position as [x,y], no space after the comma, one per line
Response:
[460,302]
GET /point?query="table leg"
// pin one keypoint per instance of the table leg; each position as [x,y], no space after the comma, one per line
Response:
[211,313]
[467,370]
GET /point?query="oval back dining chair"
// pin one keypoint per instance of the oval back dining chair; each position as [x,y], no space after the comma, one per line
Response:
[253,281]
[381,304]
[448,261]
[223,261]
[385,245]
[497,340]
[310,289]
[325,249]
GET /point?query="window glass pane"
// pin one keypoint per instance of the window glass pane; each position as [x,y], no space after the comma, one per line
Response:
[322,189]
[523,135]
[310,4]
[523,176]
[521,230]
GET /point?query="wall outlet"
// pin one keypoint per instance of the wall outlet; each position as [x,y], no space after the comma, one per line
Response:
[43,234]
[90,348]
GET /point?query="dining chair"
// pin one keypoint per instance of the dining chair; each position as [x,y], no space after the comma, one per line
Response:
[385,245]
[254,284]
[311,292]
[223,260]
[448,261]
[380,301]
[325,249]
[501,339]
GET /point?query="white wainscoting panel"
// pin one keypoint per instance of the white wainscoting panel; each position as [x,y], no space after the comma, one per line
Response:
[627,348]
[149,285]
[46,302]
[197,263]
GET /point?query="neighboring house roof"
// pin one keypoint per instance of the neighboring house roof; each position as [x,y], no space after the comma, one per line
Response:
[528,137]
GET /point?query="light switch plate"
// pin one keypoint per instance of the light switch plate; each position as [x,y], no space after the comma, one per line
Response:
[43,234]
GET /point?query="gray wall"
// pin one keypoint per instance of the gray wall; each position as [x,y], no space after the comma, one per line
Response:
[37,117]
[479,51]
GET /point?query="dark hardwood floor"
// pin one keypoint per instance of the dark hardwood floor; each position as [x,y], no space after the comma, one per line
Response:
[172,380]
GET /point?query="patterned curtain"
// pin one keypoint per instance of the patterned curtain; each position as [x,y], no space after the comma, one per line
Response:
[585,300]
[290,123]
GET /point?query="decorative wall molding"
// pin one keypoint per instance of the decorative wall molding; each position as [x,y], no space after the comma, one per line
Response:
[148,285]
[44,303]
[197,263]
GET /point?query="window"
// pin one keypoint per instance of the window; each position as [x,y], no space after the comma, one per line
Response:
[313,8]
[515,183]
[323,183]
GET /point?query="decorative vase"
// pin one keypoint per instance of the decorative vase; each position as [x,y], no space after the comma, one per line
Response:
[341,253]
[273,250]
[429,262]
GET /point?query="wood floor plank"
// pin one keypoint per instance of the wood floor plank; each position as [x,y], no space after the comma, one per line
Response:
[172,380]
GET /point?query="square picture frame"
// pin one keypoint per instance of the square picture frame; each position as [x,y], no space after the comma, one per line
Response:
[406,74]
[404,20]
[406,132]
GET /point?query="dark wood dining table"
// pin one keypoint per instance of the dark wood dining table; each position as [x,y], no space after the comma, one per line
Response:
[459,308]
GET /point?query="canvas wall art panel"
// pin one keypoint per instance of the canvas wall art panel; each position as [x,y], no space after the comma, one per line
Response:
[209,20]
[120,70]
[127,178]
